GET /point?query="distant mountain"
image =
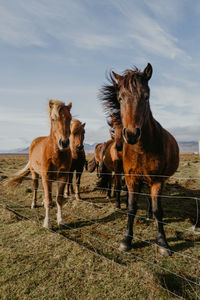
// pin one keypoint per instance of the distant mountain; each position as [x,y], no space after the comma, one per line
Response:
[185,147]
[90,148]
[188,147]
[17,150]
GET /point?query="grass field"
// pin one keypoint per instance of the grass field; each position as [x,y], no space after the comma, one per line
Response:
[83,260]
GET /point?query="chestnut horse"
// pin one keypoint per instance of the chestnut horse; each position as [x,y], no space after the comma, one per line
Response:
[94,162]
[150,153]
[50,157]
[78,156]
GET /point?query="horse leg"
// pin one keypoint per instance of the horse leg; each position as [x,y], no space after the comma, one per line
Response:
[78,180]
[69,183]
[156,190]
[118,189]
[149,209]
[47,200]
[59,201]
[109,186]
[35,178]
[125,244]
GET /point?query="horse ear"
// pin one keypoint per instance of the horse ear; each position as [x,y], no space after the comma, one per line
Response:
[83,125]
[117,77]
[148,71]
[69,106]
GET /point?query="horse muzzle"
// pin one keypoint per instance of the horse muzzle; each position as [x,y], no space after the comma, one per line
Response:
[131,137]
[79,147]
[63,144]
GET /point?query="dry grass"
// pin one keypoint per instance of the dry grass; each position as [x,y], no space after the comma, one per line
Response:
[83,261]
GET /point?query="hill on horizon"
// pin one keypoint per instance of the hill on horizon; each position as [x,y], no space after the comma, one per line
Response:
[185,147]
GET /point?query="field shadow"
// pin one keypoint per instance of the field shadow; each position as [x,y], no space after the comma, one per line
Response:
[184,205]
[181,287]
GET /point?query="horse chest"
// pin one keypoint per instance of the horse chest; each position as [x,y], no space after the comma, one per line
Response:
[141,163]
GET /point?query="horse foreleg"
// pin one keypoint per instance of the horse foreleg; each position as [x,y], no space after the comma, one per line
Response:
[47,200]
[35,178]
[59,201]
[125,244]
[156,190]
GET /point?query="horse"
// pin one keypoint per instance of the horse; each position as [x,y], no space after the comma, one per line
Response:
[111,160]
[94,162]
[150,152]
[50,158]
[78,156]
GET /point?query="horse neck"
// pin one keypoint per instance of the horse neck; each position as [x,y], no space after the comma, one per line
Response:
[73,148]
[52,141]
[150,134]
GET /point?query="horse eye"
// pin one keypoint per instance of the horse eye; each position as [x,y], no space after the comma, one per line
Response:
[146,97]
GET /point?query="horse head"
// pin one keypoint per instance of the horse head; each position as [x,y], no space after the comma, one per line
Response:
[116,130]
[77,135]
[60,117]
[132,92]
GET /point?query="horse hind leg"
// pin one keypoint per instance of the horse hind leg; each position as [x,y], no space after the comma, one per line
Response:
[163,246]
[35,179]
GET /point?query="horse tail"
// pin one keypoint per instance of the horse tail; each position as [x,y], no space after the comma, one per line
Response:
[19,176]
[92,165]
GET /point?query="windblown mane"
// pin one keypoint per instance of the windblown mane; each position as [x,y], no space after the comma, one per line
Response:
[76,125]
[54,108]
[108,97]
[108,93]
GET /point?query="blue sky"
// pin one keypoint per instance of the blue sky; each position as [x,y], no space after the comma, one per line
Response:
[63,48]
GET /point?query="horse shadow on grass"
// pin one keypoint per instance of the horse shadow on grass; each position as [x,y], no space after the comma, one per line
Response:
[182,207]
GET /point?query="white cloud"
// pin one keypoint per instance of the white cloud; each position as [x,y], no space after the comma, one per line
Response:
[148,33]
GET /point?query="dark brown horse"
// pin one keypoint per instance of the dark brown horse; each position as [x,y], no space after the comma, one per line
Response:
[150,153]
[78,156]
[50,157]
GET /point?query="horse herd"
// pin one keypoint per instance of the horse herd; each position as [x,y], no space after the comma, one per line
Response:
[139,148]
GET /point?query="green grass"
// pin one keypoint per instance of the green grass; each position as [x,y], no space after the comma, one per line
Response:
[83,260]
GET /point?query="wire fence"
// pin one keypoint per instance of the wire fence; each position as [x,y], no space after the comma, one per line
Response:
[193,284]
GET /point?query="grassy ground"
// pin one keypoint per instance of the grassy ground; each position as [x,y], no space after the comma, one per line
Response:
[83,260]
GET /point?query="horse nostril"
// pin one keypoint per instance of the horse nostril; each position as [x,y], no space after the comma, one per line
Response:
[79,147]
[64,143]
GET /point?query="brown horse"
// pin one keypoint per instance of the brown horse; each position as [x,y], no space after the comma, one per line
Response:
[150,153]
[111,160]
[94,162]
[78,156]
[50,157]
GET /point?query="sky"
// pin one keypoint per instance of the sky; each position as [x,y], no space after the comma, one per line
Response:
[63,49]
